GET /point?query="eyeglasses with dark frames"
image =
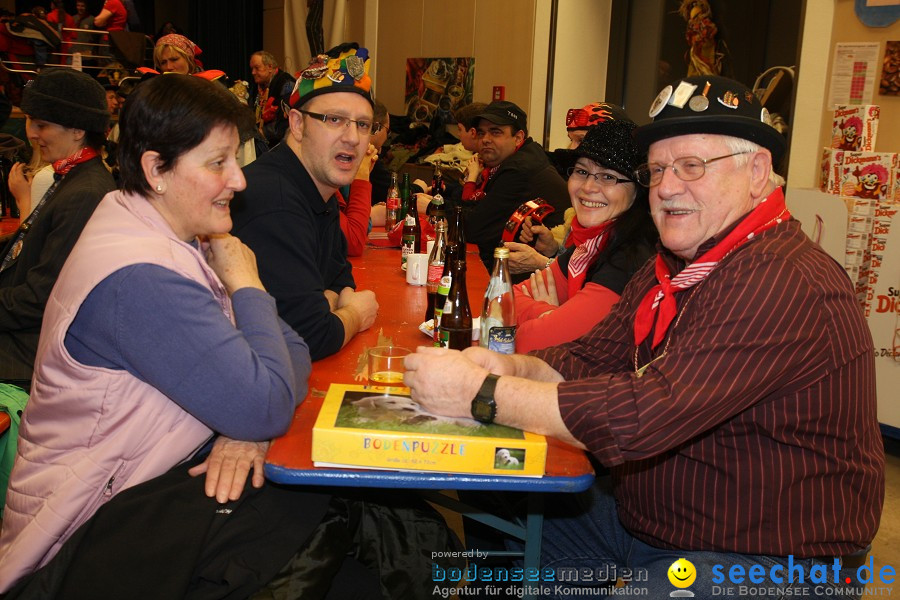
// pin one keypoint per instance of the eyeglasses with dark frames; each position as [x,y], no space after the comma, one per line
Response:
[604,179]
[364,126]
[686,168]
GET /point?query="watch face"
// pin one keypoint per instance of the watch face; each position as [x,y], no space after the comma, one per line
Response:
[482,411]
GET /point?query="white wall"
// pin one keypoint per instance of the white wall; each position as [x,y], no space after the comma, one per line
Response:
[812,87]
[582,43]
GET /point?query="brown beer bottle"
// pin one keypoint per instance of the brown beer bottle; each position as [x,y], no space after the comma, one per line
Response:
[456,320]
[412,209]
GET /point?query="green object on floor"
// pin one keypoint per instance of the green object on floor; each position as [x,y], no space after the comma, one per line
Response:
[12,402]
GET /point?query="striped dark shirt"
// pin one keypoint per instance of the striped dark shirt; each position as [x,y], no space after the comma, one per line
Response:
[756,431]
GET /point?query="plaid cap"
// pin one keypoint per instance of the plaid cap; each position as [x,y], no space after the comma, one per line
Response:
[344,68]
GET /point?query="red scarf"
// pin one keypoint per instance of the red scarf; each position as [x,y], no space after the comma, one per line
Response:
[588,242]
[485,176]
[659,304]
[482,182]
[64,165]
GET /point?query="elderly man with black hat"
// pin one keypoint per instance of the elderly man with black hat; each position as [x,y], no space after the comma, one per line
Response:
[730,392]
[289,213]
[516,170]
[66,118]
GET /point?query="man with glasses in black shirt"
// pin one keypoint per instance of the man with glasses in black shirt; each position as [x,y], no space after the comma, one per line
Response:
[289,215]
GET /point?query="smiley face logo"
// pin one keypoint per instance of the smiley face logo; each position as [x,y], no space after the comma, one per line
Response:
[682,573]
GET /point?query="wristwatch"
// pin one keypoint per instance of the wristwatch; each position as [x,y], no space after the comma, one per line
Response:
[484,408]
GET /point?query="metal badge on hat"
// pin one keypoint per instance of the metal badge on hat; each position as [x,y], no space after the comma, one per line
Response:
[356,66]
[700,102]
[729,100]
[681,94]
[316,68]
[661,100]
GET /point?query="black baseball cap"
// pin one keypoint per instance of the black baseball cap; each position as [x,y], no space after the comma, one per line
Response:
[710,104]
[501,112]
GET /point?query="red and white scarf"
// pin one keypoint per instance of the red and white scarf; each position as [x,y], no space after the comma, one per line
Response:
[659,304]
[485,177]
[64,165]
[588,242]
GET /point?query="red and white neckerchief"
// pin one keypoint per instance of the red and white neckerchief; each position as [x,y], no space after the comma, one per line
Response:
[481,183]
[659,306]
[64,165]
[485,177]
[588,242]
[60,168]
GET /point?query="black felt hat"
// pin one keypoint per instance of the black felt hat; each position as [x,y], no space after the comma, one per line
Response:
[710,104]
[67,97]
[609,143]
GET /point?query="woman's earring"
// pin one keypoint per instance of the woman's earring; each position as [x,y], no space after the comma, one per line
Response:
[159,188]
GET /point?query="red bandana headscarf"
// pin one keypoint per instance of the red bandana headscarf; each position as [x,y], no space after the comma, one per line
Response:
[659,304]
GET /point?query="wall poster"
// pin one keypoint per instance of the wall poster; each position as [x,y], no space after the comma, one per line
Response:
[437,87]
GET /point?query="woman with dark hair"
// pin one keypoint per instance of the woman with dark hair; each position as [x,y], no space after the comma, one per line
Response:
[158,336]
[611,236]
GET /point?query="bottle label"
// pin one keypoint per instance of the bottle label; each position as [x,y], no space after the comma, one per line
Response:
[434,272]
[408,247]
[392,203]
[502,340]
[444,285]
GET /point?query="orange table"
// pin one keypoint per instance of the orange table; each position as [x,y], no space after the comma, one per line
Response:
[8,226]
[402,309]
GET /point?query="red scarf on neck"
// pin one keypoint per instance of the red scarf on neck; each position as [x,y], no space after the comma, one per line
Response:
[486,176]
[588,242]
[64,165]
[659,304]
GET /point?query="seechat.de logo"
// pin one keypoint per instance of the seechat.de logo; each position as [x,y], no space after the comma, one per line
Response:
[682,574]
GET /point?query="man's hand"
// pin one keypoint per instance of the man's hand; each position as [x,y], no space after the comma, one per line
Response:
[356,310]
[228,465]
[473,168]
[524,259]
[443,381]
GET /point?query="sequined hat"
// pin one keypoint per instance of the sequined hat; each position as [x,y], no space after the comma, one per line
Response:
[710,104]
[591,114]
[610,144]
[344,68]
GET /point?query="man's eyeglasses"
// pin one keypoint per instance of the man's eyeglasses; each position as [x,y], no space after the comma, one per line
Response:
[686,168]
[604,179]
[364,127]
